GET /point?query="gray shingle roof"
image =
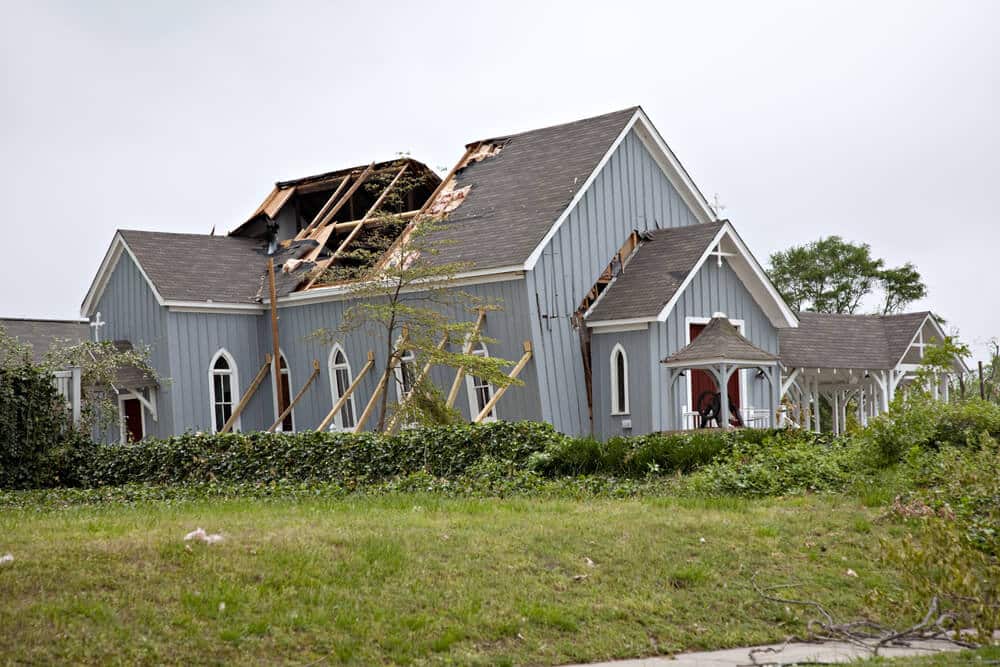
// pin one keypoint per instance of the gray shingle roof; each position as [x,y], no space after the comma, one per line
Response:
[654,273]
[517,195]
[43,335]
[720,340]
[199,267]
[825,340]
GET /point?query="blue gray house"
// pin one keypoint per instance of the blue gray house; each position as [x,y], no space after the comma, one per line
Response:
[607,258]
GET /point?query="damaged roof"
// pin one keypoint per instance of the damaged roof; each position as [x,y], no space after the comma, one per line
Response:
[43,335]
[654,273]
[828,340]
[518,192]
[205,268]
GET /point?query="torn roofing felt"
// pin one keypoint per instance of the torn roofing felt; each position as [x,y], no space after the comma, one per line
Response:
[654,273]
[221,269]
[828,340]
[517,191]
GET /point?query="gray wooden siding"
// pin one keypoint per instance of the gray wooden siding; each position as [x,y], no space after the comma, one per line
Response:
[636,346]
[630,193]
[509,327]
[714,289]
[194,340]
[132,313]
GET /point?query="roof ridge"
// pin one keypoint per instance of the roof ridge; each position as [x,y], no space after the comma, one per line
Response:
[589,119]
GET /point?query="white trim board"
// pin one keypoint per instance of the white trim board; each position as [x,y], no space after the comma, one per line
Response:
[664,158]
[108,264]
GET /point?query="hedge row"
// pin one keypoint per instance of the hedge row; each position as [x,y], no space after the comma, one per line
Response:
[32,421]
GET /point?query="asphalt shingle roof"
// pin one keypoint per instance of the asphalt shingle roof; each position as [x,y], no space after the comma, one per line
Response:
[199,267]
[825,340]
[654,273]
[516,196]
[720,340]
[43,335]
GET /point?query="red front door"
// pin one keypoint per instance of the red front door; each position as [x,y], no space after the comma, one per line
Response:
[132,414]
[702,382]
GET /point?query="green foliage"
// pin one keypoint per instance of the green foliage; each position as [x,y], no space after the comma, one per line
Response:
[640,455]
[33,421]
[832,275]
[922,423]
[784,462]
[351,459]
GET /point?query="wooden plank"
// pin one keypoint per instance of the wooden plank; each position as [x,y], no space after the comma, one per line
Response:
[276,354]
[387,257]
[347,394]
[423,373]
[346,197]
[370,406]
[261,374]
[467,349]
[295,400]
[488,408]
[325,264]
[303,233]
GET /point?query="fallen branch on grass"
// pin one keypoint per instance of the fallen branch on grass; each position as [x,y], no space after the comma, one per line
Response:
[864,633]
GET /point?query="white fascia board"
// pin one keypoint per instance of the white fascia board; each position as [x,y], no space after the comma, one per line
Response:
[605,324]
[937,327]
[787,317]
[118,246]
[344,292]
[215,308]
[611,327]
[664,158]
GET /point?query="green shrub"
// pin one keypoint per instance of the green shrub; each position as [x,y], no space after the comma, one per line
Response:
[445,451]
[33,421]
[923,423]
[640,455]
[783,462]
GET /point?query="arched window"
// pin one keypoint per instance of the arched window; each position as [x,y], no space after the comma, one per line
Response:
[287,424]
[340,379]
[619,381]
[480,391]
[406,375]
[224,389]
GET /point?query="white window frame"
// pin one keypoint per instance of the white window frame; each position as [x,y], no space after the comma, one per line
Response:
[122,430]
[234,387]
[689,408]
[332,366]
[618,410]
[287,370]
[470,387]
[411,357]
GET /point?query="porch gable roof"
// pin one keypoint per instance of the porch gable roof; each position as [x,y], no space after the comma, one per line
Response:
[719,343]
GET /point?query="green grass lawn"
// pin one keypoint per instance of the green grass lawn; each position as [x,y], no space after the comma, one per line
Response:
[425,579]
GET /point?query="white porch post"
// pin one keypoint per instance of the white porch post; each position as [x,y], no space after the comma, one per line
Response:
[75,388]
[816,422]
[861,407]
[836,412]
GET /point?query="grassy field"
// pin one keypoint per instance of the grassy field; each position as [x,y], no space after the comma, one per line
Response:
[416,579]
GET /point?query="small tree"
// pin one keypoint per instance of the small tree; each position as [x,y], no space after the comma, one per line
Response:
[403,296]
[834,276]
[938,360]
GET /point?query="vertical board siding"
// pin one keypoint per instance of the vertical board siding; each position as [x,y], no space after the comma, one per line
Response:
[636,346]
[133,314]
[713,289]
[630,193]
[509,327]
[194,340]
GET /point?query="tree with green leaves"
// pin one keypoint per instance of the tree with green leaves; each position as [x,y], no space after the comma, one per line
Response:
[403,296]
[832,275]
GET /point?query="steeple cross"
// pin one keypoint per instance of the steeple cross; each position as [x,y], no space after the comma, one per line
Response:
[96,325]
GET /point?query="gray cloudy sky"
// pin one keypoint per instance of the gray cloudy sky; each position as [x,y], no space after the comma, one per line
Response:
[873,120]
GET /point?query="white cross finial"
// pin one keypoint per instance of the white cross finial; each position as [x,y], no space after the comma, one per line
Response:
[717,205]
[97,324]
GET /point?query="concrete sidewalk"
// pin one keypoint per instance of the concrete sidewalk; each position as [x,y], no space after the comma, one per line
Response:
[791,654]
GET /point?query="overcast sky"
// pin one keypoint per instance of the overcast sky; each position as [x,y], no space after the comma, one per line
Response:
[877,121]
